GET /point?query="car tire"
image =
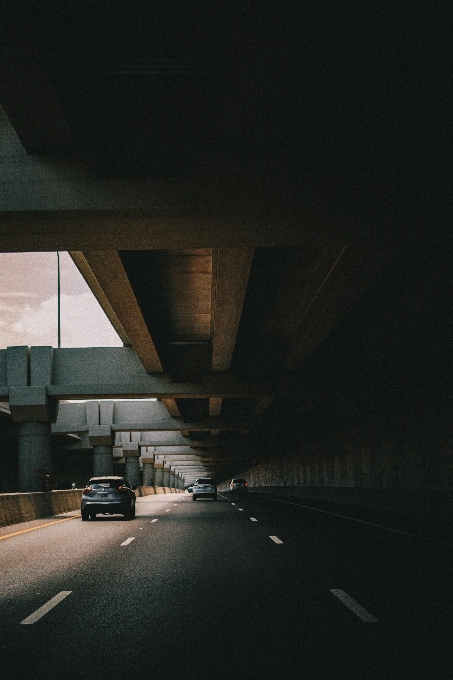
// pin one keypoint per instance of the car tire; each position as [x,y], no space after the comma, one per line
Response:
[92,515]
[133,512]
[214,498]
[84,516]
[194,498]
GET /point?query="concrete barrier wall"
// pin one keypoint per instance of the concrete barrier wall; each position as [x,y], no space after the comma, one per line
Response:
[24,507]
[152,490]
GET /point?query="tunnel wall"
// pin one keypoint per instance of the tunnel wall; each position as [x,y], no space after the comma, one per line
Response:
[408,471]
[369,420]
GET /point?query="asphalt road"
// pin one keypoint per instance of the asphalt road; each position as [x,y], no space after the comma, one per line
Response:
[252,590]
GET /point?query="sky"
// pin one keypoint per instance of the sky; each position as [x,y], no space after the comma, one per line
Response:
[29,304]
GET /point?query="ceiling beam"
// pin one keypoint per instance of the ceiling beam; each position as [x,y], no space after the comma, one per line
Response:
[108,270]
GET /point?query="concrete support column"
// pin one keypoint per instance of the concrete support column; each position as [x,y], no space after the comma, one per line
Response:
[171,481]
[166,476]
[35,456]
[102,460]
[148,474]
[133,470]
[158,474]
[148,468]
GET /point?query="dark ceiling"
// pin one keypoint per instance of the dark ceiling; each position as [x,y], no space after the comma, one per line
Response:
[183,87]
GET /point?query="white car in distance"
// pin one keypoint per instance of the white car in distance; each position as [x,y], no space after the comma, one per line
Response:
[204,488]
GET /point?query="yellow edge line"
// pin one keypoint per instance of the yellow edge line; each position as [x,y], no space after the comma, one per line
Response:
[42,526]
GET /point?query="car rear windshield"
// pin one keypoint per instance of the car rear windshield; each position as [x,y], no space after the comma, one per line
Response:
[239,481]
[106,484]
[204,481]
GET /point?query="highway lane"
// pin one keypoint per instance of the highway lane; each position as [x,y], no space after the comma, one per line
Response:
[202,590]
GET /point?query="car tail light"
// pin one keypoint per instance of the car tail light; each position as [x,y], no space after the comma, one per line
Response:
[87,489]
[246,484]
[120,488]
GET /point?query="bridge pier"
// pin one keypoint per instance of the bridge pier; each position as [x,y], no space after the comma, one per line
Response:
[102,460]
[148,471]
[35,456]
[166,481]
[131,453]
[158,474]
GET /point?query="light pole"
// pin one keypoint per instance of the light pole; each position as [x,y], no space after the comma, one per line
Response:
[58,296]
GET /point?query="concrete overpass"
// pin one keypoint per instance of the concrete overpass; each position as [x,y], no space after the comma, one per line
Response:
[263,221]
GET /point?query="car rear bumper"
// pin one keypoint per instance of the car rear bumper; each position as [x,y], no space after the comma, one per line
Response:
[110,508]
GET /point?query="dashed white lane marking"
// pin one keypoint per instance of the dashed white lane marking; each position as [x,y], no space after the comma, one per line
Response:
[154,520]
[175,504]
[241,509]
[46,607]
[354,606]
[168,510]
[276,539]
[253,519]
[233,503]
[128,540]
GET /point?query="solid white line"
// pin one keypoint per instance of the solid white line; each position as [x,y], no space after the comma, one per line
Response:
[276,539]
[128,540]
[46,607]
[253,519]
[354,606]
[154,520]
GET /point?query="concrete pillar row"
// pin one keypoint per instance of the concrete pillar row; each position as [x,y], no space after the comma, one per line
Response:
[171,479]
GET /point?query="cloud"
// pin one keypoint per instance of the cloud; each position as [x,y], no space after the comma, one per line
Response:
[83,323]
[17,294]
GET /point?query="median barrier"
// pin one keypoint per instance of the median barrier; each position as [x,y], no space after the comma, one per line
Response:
[24,507]
[152,490]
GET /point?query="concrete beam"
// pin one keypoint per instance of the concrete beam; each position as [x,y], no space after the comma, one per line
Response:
[163,439]
[90,277]
[107,269]
[163,425]
[231,269]
[109,373]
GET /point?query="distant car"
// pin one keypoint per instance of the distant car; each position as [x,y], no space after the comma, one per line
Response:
[204,488]
[108,495]
[239,487]
[190,488]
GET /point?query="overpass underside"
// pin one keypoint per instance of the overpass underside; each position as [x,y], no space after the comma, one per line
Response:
[261,211]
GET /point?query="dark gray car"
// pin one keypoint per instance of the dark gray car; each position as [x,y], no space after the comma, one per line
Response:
[108,495]
[239,487]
